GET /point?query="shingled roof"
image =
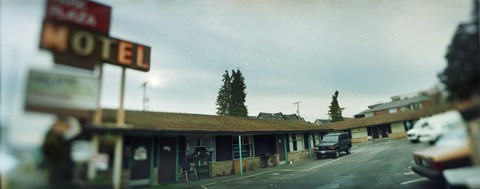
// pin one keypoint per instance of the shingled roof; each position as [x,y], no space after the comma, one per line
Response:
[139,121]
[387,118]
[395,104]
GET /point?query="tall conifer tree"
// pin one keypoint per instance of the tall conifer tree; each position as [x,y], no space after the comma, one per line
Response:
[223,98]
[231,96]
[335,111]
[237,106]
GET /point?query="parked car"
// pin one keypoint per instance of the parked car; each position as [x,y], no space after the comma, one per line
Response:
[431,128]
[439,124]
[414,134]
[450,151]
[333,144]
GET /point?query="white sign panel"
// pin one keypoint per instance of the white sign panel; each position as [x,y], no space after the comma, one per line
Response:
[81,151]
[140,154]
[100,161]
[46,89]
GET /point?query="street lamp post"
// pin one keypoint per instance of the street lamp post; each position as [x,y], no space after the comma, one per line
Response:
[298,108]
[145,99]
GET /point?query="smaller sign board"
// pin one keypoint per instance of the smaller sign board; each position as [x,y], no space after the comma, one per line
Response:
[100,161]
[60,93]
[81,151]
[140,154]
[88,14]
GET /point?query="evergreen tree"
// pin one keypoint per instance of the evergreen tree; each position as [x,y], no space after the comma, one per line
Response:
[462,75]
[223,98]
[237,101]
[335,111]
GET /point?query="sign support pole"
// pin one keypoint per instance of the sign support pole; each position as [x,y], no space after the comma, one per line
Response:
[240,153]
[97,119]
[309,145]
[117,164]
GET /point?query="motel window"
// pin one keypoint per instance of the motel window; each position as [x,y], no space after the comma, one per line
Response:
[369,114]
[392,110]
[247,146]
[200,147]
[296,142]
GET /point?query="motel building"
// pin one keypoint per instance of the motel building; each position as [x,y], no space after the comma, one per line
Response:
[158,147]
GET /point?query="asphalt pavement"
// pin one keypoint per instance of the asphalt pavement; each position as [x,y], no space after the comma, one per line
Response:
[379,164]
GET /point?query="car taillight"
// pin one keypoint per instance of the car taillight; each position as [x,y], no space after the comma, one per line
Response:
[436,165]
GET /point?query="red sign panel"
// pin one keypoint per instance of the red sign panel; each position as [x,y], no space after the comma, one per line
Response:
[92,15]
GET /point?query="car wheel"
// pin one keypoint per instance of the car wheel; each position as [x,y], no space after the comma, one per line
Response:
[349,150]
[319,156]
[337,154]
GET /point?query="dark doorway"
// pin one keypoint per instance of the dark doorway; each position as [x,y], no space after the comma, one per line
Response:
[384,129]
[141,148]
[374,132]
[167,159]
[280,146]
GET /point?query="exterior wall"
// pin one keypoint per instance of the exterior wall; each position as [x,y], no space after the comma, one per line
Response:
[125,178]
[253,164]
[398,130]
[222,168]
[381,112]
[299,155]
[397,127]
[360,140]
[359,132]
[154,176]
[397,135]
[428,103]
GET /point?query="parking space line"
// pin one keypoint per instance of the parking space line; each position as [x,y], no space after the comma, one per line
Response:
[238,178]
[244,177]
[412,181]
[330,162]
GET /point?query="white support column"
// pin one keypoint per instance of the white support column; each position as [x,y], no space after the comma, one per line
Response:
[97,119]
[240,153]
[117,164]
[92,171]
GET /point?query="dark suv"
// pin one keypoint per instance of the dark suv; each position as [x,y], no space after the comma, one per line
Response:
[333,144]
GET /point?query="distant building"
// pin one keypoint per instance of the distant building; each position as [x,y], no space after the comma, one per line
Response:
[321,121]
[398,104]
[278,116]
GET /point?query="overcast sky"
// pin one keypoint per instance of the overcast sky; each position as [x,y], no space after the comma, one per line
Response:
[288,51]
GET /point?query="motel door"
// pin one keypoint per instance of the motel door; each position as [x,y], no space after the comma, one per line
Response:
[140,162]
[167,152]
[281,147]
[374,132]
[384,130]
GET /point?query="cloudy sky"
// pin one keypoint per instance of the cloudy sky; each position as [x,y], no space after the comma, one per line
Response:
[288,51]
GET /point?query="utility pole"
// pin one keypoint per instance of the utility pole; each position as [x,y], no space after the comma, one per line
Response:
[298,108]
[145,99]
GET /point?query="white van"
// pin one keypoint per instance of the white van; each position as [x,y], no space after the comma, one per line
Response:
[414,134]
[439,124]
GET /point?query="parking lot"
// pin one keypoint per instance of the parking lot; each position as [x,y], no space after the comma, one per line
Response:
[382,164]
